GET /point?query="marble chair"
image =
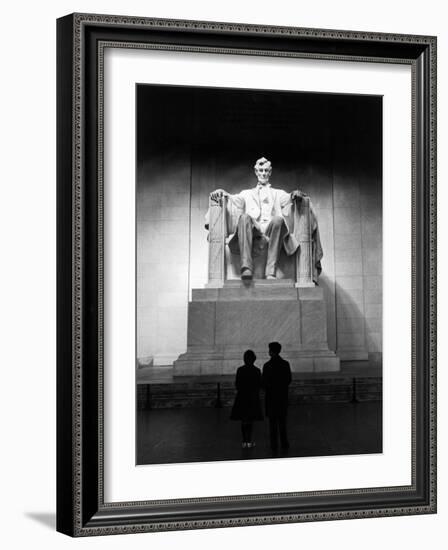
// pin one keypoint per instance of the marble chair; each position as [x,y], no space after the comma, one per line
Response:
[224,265]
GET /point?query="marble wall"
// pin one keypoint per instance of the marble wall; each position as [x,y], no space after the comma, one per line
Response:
[327,146]
[357,200]
[163,213]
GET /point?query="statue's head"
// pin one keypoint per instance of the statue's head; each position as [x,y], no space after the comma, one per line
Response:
[263,170]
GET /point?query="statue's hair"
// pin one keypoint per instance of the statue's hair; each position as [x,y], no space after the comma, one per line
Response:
[262,161]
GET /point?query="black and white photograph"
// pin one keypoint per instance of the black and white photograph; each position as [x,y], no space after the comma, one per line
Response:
[259,231]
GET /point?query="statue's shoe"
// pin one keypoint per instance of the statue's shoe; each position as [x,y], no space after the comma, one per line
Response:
[246,274]
[271,277]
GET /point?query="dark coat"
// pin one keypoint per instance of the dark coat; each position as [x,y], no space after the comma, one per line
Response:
[276,379]
[247,405]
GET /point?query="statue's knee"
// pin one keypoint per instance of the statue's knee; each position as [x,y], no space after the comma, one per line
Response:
[245,218]
[277,220]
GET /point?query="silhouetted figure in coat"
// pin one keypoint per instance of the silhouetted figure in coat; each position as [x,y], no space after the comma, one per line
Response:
[247,406]
[276,379]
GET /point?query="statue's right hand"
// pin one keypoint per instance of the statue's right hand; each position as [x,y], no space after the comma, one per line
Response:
[218,194]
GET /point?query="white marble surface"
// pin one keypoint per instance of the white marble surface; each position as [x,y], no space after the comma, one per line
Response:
[223,323]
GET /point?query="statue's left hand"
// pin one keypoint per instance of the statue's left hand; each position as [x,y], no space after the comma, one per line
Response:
[298,195]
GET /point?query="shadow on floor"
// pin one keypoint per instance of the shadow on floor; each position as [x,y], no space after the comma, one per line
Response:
[48,519]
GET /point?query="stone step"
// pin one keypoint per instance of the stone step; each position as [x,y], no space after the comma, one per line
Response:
[240,293]
[256,292]
[254,283]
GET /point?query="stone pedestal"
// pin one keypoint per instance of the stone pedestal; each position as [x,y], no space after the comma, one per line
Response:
[224,322]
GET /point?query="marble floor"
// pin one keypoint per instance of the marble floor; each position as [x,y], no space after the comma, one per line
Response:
[207,434]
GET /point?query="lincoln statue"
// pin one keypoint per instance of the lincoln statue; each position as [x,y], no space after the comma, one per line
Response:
[261,225]
[266,217]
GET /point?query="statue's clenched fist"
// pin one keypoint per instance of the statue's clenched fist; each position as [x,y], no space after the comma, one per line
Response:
[298,195]
[218,194]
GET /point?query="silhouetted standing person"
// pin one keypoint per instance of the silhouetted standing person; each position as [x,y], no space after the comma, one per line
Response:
[247,406]
[276,379]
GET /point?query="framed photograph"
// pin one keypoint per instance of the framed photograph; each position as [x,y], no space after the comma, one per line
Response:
[246,274]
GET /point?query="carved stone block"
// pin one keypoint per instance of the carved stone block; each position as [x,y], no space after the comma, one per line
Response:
[225,322]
